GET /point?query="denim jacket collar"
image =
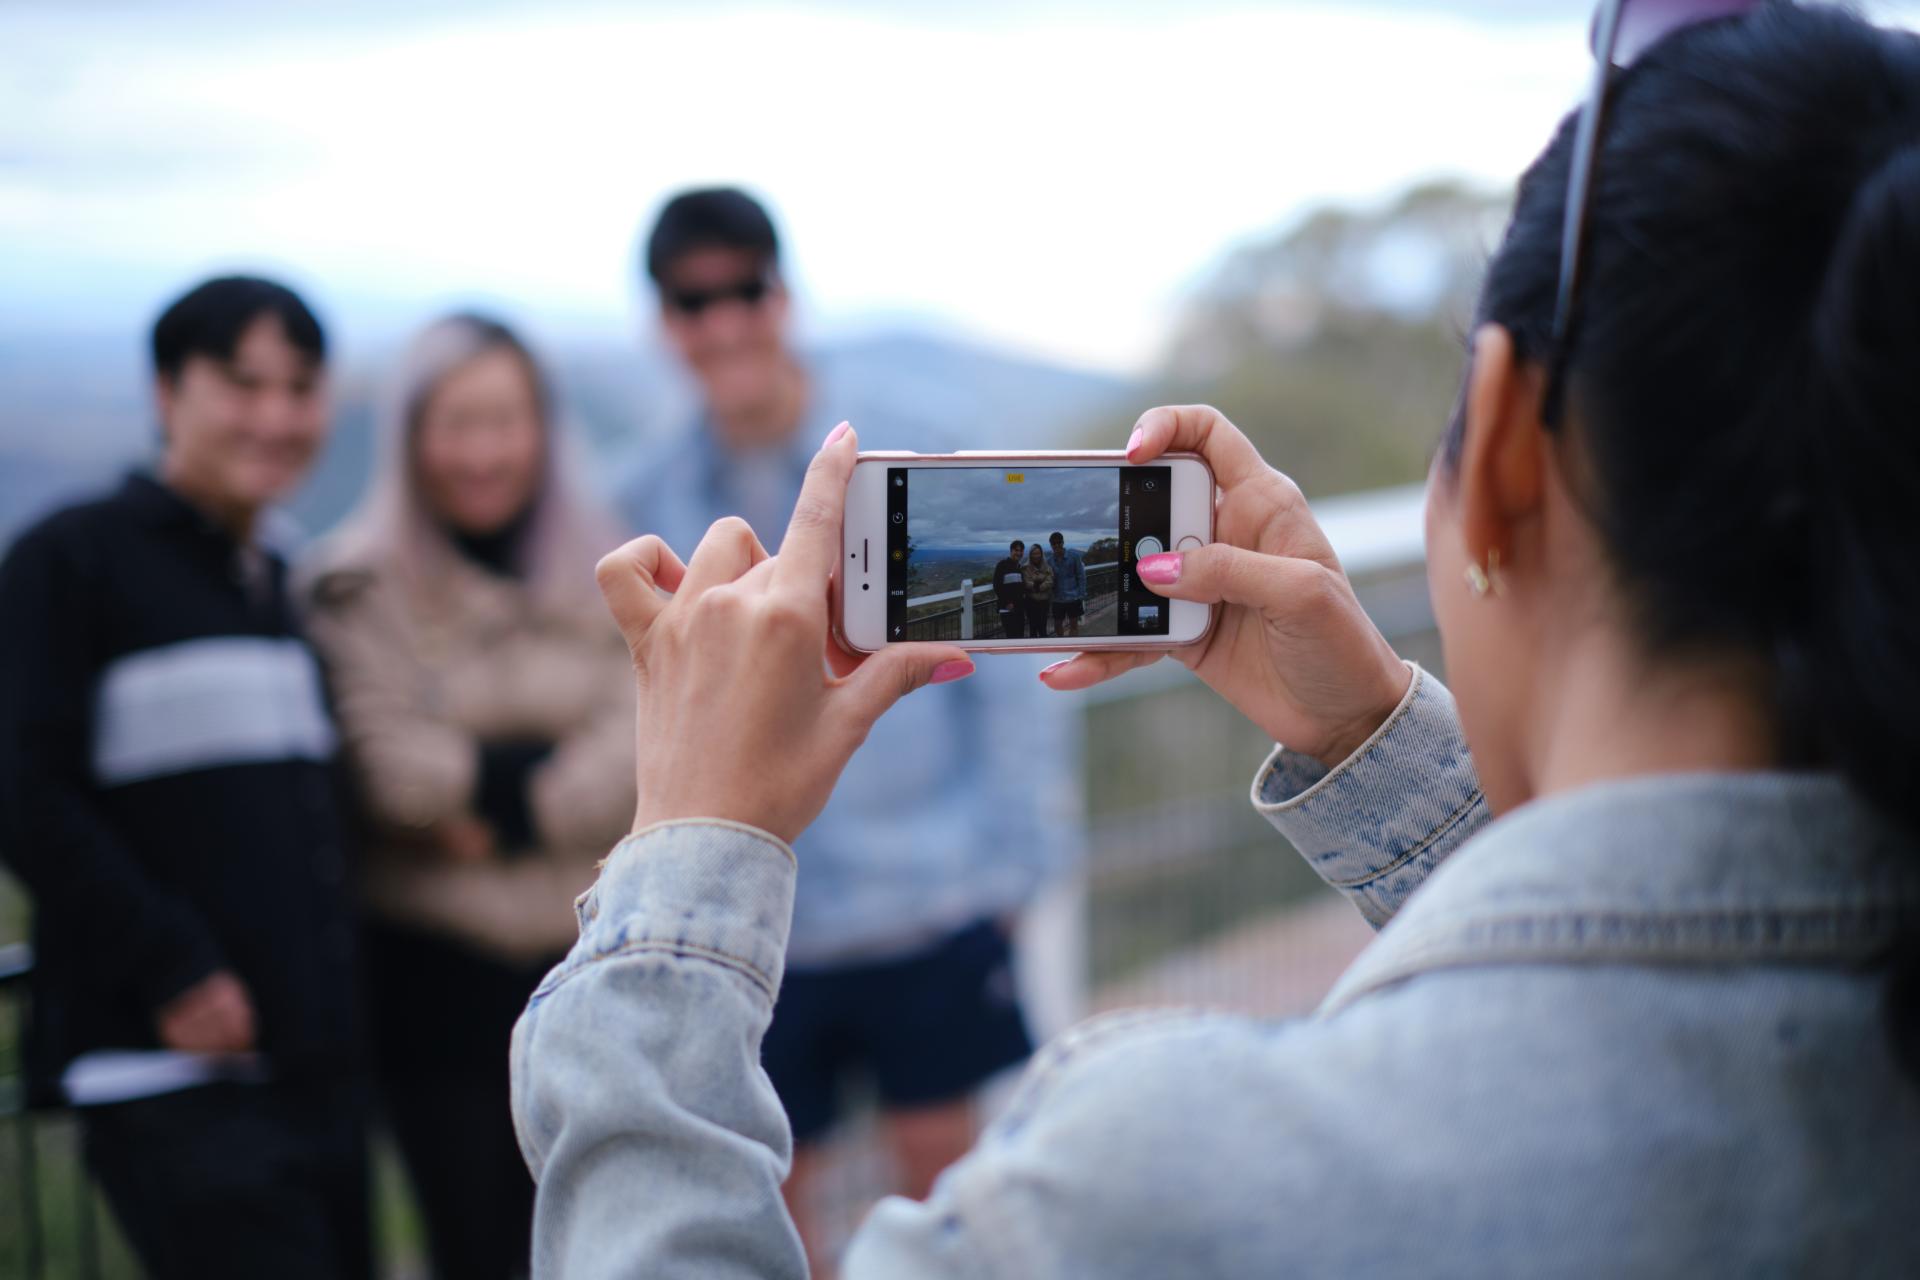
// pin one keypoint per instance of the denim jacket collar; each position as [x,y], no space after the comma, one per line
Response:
[1688,869]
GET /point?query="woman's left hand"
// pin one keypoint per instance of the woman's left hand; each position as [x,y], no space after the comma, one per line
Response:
[464,838]
[738,717]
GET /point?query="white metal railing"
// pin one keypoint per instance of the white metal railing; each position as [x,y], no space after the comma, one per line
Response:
[1379,529]
[965,596]
[966,588]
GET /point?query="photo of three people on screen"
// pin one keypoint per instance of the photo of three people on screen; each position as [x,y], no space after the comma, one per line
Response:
[1030,554]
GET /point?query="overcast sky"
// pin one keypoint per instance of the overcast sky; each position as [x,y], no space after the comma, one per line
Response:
[948,509]
[1047,177]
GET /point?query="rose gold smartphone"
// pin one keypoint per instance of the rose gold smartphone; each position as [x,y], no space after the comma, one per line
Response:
[1018,552]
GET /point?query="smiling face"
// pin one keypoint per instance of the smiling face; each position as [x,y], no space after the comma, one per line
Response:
[734,338]
[241,433]
[479,447]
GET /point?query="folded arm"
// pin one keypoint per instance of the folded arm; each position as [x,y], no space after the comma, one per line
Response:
[414,768]
[582,795]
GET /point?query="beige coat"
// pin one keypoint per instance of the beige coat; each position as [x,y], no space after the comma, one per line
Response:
[1039,581]
[420,677]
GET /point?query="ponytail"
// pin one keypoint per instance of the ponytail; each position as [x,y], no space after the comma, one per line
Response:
[1858,683]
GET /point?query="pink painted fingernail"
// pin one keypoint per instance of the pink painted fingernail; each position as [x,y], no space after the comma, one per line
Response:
[1162,570]
[951,670]
[836,433]
[1133,441]
[1047,671]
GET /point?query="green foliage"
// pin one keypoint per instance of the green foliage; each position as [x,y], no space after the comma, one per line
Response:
[1359,407]
[1337,346]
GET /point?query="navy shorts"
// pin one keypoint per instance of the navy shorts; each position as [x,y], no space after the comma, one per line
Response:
[928,1028]
[1069,609]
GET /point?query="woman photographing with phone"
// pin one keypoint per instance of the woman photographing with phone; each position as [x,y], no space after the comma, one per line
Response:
[1645,999]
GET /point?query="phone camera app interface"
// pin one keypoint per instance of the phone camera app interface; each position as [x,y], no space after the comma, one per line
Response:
[1023,554]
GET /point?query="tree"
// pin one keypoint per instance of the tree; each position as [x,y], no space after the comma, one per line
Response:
[1338,345]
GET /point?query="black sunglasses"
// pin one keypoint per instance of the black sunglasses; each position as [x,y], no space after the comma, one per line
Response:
[692,302]
[1622,31]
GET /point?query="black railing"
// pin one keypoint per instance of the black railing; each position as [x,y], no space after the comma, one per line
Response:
[16,971]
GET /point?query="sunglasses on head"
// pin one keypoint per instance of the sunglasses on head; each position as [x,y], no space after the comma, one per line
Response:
[1622,31]
[693,302]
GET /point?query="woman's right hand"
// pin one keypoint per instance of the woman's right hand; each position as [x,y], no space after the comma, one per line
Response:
[738,717]
[214,1015]
[1292,649]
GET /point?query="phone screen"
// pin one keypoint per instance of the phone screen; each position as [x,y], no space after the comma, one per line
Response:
[954,573]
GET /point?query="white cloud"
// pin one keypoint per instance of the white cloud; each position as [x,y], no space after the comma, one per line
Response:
[1048,181]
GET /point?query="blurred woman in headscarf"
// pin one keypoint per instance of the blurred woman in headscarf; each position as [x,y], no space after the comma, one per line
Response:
[486,700]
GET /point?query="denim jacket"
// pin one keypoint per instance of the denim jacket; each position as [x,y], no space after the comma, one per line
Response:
[1633,1029]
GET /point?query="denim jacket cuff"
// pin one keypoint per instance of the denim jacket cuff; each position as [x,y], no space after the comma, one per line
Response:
[1404,800]
[705,888]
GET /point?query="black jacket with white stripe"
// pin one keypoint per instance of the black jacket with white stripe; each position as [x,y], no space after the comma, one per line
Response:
[167,785]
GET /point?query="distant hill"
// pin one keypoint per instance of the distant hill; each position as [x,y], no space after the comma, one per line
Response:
[1338,345]
[936,575]
[1007,401]
[74,411]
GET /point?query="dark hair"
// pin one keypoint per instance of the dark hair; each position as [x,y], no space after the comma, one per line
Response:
[711,217]
[1744,372]
[1058,537]
[1017,545]
[209,318]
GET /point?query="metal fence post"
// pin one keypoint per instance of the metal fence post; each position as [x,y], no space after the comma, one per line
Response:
[84,1219]
[16,963]
[966,609]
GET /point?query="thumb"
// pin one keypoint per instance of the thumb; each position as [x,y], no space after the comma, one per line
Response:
[1224,574]
[896,671]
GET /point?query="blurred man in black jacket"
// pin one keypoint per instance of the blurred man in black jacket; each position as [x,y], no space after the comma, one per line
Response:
[1010,592]
[167,794]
